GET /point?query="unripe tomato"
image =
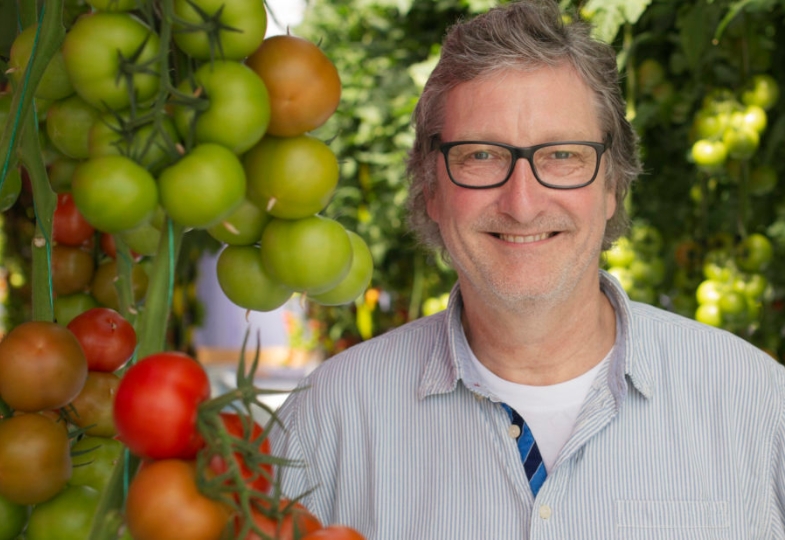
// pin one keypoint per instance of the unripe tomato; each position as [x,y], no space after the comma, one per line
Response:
[60,171]
[68,124]
[68,515]
[13,518]
[754,253]
[68,306]
[246,283]
[168,387]
[239,108]
[741,142]
[103,285]
[204,187]
[242,227]
[356,281]
[72,269]
[42,366]
[762,91]
[114,193]
[35,458]
[303,83]
[291,177]
[710,314]
[91,410]
[709,124]
[147,145]
[93,50]
[142,239]
[709,154]
[164,503]
[312,254]
[94,459]
[243,25]
[54,82]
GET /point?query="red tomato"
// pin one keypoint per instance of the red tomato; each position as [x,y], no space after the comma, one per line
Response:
[156,404]
[107,339]
[334,532]
[290,522]
[69,226]
[164,503]
[236,426]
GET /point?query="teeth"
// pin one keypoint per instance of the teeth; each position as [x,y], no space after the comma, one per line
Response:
[524,239]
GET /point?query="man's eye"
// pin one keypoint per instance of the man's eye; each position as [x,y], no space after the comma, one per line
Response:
[481,156]
[562,154]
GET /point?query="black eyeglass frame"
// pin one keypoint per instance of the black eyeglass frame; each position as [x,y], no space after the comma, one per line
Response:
[527,153]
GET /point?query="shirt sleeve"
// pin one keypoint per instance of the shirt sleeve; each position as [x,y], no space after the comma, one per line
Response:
[778,468]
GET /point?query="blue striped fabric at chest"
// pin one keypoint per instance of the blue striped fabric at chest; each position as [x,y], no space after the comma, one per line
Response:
[530,454]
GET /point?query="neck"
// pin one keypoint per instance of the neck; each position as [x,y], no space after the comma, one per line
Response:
[543,344]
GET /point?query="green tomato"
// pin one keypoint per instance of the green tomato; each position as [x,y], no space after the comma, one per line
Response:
[242,227]
[356,281]
[238,110]
[752,285]
[291,177]
[709,314]
[142,239]
[733,306]
[710,291]
[60,172]
[66,516]
[113,5]
[646,239]
[243,26]
[246,283]
[54,83]
[94,49]
[709,154]
[146,145]
[309,255]
[68,306]
[624,277]
[752,117]
[621,254]
[94,460]
[113,193]
[708,124]
[204,187]
[762,91]
[718,265]
[754,253]
[68,124]
[13,518]
[741,142]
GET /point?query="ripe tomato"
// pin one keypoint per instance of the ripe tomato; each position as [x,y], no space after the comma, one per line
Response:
[242,227]
[304,85]
[103,285]
[164,503]
[312,254]
[291,177]
[92,408]
[94,459]
[69,227]
[204,187]
[237,427]
[68,124]
[356,281]
[334,532]
[93,50]
[246,283]
[70,305]
[72,269]
[54,83]
[244,25]
[35,458]
[107,339]
[42,366]
[13,518]
[67,515]
[238,111]
[292,521]
[167,387]
[114,193]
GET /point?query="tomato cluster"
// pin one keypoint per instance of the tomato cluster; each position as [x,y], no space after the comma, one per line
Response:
[636,261]
[57,450]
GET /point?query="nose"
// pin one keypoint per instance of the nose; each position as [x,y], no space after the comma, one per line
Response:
[522,197]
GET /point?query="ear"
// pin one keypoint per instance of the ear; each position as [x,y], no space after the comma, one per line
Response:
[610,203]
[431,204]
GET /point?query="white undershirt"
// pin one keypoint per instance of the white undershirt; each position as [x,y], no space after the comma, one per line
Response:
[550,411]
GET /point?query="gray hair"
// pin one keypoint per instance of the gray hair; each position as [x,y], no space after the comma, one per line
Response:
[521,35]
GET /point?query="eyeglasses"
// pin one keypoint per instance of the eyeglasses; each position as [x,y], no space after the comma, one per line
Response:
[557,165]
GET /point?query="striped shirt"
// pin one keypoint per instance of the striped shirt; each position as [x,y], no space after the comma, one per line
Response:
[680,437]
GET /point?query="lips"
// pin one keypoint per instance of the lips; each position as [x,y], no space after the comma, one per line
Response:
[518,239]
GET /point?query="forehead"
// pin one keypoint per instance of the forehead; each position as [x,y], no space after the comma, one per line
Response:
[523,107]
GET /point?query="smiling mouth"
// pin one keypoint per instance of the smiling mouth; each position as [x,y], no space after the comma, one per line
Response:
[518,239]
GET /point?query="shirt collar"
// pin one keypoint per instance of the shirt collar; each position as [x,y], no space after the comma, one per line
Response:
[450,361]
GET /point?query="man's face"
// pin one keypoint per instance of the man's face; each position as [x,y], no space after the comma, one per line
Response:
[523,242]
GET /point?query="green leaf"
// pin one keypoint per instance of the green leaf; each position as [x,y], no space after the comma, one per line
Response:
[608,16]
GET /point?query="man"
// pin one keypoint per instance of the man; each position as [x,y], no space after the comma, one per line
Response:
[542,403]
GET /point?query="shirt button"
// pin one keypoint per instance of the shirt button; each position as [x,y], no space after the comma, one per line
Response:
[545,511]
[478,397]
[514,431]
